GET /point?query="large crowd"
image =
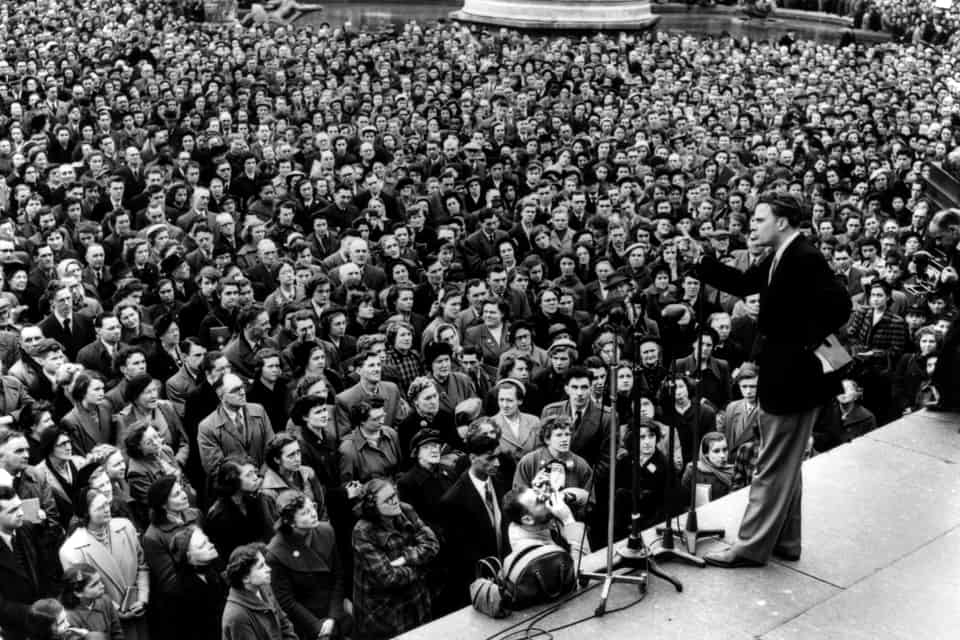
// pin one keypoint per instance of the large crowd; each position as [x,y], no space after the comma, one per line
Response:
[298,325]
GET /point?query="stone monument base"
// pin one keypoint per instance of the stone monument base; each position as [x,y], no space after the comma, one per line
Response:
[630,15]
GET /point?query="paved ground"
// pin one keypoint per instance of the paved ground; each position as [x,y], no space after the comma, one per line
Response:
[881,559]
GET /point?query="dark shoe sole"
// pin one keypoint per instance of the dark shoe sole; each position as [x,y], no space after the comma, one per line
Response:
[786,555]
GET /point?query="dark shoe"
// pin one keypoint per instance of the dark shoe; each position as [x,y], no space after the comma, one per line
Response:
[783,554]
[729,560]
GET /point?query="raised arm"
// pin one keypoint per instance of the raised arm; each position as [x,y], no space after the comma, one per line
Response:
[726,278]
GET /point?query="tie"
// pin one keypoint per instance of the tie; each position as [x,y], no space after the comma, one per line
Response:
[66,327]
[578,418]
[492,510]
[773,268]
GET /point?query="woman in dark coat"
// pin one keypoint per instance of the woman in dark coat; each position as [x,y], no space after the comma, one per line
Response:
[60,469]
[202,592]
[239,515]
[911,371]
[170,511]
[252,611]
[149,460]
[427,414]
[652,481]
[307,576]
[427,480]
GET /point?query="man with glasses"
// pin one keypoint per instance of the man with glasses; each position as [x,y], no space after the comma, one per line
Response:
[235,428]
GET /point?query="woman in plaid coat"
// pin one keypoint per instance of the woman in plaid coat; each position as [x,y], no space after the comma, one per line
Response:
[392,550]
[877,338]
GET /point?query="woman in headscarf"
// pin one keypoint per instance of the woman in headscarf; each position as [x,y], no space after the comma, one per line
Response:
[712,469]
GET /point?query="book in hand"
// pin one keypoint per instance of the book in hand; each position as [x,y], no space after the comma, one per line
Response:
[832,355]
[130,597]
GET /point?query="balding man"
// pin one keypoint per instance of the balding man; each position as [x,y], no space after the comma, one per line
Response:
[264,275]
[373,190]
[236,428]
[358,253]
[350,277]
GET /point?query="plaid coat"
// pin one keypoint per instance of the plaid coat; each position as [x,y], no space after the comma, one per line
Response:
[888,337]
[390,600]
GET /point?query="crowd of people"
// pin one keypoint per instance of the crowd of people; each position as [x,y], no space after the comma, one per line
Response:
[298,325]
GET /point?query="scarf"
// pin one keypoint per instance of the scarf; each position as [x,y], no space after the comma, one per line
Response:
[723,473]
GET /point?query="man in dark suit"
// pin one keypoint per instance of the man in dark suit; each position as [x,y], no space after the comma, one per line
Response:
[20,584]
[713,374]
[473,524]
[342,212]
[591,422]
[241,351]
[96,274]
[481,245]
[264,275]
[101,354]
[850,276]
[801,304]
[72,330]
[189,377]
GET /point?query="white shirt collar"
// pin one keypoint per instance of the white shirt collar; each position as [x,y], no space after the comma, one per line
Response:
[481,485]
[783,247]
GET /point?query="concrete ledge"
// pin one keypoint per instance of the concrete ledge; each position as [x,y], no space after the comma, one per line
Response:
[546,15]
[881,521]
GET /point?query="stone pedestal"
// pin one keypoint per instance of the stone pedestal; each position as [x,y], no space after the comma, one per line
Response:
[559,15]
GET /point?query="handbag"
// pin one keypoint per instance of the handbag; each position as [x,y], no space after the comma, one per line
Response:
[486,592]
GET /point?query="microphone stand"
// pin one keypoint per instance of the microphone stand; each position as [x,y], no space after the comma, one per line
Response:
[634,558]
[664,547]
[692,534]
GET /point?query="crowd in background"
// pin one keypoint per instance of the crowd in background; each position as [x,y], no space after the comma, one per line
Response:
[297,325]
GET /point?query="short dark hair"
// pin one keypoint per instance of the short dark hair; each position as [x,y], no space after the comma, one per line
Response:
[480,444]
[76,578]
[209,359]
[81,384]
[275,449]
[242,560]
[227,481]
[577,372]
[248,315]
[783,206]
[302,408]
[360,412]
[133,438]
[106,315]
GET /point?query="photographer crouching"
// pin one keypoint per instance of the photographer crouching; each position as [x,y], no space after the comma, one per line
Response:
[542,515]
